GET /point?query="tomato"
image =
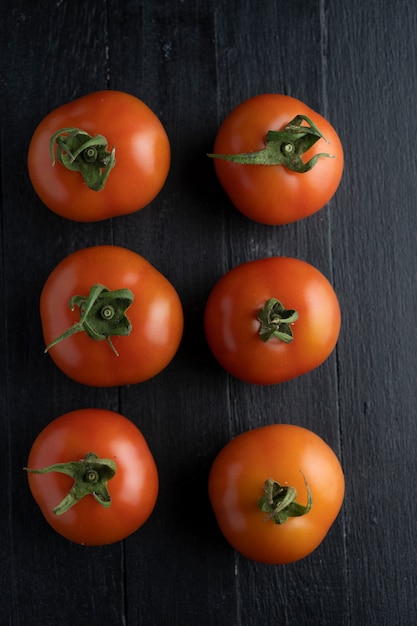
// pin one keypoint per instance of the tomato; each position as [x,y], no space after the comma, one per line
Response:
[109,317]
[275,492]
[295,176]
[88,500]
[270,320]
[122,157]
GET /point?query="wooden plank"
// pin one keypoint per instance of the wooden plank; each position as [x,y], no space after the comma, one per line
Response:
[179,558]
[50,57]
[375,268]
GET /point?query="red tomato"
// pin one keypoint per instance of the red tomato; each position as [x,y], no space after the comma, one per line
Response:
[294,523]
[123,150]
[264,188]
[298,336]
[123,341]
[125,494]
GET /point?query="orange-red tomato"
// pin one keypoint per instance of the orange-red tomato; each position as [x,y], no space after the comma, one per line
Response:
[293,457]
[151,322]
[133,489]
[141,156]
[233,328]
[275,194]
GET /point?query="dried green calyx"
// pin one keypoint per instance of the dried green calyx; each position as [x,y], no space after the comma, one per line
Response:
[279,502]
[276,321]
[90,476]
[102,315]
[284,147]
[81,152]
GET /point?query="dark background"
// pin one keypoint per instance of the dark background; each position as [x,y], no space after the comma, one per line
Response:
[354,61]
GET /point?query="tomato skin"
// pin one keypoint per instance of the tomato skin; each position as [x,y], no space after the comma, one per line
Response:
[133,489]
[156,316]
[273,194]
[232,327]
[283,452]
[142,153]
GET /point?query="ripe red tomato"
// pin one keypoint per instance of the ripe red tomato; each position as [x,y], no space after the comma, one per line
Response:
[270,320]
[122,157]
[251,489]
[93,501]
[124,318]
[276,186]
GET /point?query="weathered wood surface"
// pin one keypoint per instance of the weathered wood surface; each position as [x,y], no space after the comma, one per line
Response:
[192,62]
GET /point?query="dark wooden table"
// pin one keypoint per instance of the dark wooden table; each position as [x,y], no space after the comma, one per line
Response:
[353,61]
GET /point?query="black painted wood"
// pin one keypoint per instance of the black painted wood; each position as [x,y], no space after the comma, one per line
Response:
[355,62]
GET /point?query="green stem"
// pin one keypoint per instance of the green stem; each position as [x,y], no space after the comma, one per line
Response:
[102,315]
[90,476]
[80,152]
[276,321]
[285,147]
[279,501]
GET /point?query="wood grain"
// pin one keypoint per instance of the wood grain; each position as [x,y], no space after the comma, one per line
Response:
[192,62]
